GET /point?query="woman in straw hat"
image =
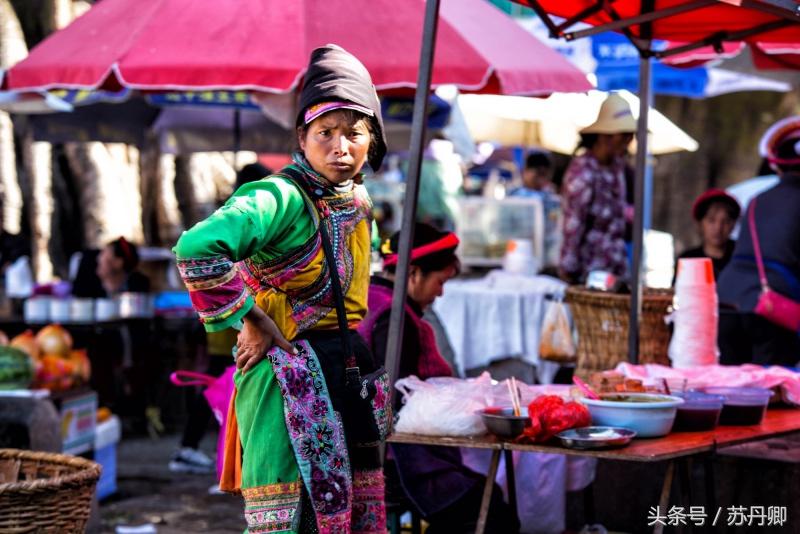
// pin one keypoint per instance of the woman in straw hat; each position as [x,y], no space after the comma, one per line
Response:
[594,195]
[300,445]
[744,336]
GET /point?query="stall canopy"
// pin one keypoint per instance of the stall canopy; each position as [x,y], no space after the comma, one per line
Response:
[554,122]
[264,46]
[614,64]
[766,56]
[697,23]
[109,57]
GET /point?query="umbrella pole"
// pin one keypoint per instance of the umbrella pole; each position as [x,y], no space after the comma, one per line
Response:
[237,137]
[395,338]
[638,203]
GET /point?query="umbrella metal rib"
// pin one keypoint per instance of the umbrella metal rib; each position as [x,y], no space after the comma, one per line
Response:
[717,39]
[639,19]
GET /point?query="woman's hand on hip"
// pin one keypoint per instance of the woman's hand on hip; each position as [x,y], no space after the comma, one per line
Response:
[259,334]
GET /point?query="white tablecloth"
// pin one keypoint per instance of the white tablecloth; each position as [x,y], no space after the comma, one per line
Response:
[495,317]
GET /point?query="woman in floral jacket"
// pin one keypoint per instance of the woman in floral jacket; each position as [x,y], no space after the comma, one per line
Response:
[594,189]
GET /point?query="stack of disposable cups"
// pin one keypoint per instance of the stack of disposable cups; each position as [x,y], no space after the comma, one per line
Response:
[694,340]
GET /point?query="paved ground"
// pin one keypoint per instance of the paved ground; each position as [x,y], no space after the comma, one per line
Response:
[174,503]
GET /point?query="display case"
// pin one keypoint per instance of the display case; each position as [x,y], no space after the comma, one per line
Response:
[485,226]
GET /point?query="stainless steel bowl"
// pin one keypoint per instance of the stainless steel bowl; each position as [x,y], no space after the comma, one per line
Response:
[503,423]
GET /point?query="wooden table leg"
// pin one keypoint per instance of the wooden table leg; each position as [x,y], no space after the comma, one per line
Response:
[511,481]
[663,502]
[487,491]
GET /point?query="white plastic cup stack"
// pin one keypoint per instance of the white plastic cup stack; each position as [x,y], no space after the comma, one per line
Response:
[694,340]
[519,258]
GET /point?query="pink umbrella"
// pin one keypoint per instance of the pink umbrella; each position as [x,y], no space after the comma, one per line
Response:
[264,45]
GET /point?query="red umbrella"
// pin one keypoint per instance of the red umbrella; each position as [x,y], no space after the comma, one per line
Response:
[766,56]
[699,23]
[264,45]
[690,21]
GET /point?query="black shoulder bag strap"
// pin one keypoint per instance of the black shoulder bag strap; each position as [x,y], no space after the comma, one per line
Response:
[314,196]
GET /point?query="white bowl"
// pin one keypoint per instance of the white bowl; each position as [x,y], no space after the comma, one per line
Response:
[106,309]
[37,310]
[81,310]
[59,310]
[649,415]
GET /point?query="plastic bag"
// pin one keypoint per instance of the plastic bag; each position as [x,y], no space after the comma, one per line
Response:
[443,406]
[556,343]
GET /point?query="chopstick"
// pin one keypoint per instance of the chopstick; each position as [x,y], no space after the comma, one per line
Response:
[514,392]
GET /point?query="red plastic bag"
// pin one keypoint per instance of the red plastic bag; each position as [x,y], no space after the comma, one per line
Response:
[550,414]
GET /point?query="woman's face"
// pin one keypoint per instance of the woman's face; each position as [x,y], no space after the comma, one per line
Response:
[610,146]
[716,226]
[108,263]
[424,288]
[336,147]
[620,143]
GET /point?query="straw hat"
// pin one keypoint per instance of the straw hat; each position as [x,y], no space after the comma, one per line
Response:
[615,117]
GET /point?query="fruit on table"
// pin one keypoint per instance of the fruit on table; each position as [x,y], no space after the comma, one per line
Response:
[26,342]
[16,369]
[54,339]
[3,338]
[56,373]
[82,368]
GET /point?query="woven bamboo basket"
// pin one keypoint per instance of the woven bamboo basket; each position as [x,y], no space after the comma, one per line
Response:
[601,320]
[52,492]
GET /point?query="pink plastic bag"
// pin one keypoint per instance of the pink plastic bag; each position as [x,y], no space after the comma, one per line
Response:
[218,393]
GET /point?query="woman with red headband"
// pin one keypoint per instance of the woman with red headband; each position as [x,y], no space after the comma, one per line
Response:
[768,245]
[116,268]
[444,491]
[715,213]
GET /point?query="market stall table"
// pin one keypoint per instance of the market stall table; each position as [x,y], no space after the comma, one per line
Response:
[673,447]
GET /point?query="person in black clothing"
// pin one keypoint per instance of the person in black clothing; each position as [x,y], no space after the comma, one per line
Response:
[116,268]
[744,336]
[434,479]
[715,213]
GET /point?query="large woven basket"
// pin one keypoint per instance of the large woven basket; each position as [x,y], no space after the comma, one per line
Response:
[601,320]
[53,492]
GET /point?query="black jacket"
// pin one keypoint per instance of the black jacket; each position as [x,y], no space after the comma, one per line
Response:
[777,218]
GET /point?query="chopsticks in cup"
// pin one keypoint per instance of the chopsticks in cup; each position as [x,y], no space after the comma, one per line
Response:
[513,391]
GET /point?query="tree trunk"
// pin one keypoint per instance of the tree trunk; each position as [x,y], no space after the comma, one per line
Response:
[203,181]
[12,50]
[168,214]
[108,181]
[37,157]
[62,13]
